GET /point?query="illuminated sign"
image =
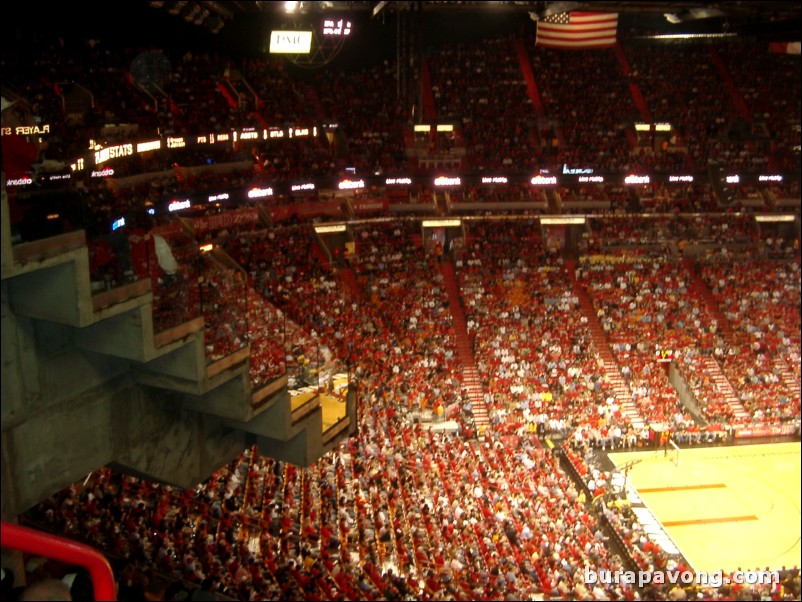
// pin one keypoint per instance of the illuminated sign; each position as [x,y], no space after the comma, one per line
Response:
[300,132]
[307,186]
[539,180]
[422,128]
[369,205]
[177,142]
[118,224]
[575,170]
[633,179]
[220,137]
[113,152]
[662,127]
[642,127]
[26,130]
[258,193]
[351,185]
[218,197]
[19,182]
[336,28]
[494,180]
[249,136]
[206,248]
[178,205]
[447,127]
[733,179]
[776,178]
[330,228]
[105,173]
[202,140]
[561,221]
[276,134]
[144,147]
[444,181]
[61,176]
[680,178]
[774,218]
[442,223]
[596,179]
[396,181]
[290,42]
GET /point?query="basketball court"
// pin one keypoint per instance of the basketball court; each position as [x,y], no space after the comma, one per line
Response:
[724,507]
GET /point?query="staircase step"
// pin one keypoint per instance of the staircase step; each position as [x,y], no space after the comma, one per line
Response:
[470,373]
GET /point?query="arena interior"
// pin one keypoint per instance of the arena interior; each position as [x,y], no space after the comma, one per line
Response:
[400,300]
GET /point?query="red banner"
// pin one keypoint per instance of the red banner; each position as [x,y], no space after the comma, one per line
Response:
[305,210]
[168,229]
[318,208]
[377,205]
[279,214]
[766,430]
[228,219]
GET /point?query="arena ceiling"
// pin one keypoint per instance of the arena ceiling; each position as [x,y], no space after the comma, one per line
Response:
[756,10]
[772,20]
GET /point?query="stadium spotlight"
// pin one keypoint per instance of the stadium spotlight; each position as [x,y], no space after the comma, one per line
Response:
[290,6]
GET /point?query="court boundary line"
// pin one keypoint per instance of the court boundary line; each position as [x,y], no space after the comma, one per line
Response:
[630,488]
[667,534]
[679,488]
[711,521]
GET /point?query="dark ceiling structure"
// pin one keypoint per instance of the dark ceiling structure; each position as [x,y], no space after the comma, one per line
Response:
[757,11]
[769,20]
[744,9]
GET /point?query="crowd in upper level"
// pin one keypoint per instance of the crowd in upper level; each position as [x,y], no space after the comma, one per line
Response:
[722,102]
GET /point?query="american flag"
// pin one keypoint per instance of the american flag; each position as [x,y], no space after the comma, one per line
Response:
[577,30]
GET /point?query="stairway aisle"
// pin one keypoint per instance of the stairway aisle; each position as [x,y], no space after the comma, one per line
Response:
[316,250]
[711,367]
[699,288]
[634,89]
[529,77]
[470,373]
[788,377]
[623,395]
[429,108]
[729,83]
[349,281]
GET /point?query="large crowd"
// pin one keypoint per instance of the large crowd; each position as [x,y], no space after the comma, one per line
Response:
[400,511]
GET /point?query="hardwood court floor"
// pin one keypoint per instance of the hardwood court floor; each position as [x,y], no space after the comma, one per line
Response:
[726,507]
